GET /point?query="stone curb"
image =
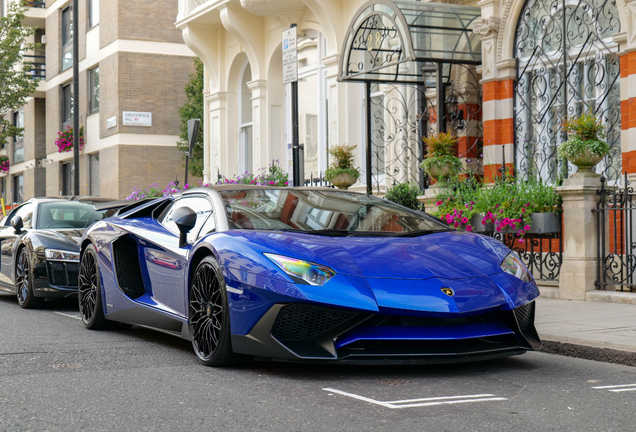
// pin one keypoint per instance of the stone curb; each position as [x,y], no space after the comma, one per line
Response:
[598,351]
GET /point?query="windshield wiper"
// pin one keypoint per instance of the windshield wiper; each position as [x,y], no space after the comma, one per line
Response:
[421,233]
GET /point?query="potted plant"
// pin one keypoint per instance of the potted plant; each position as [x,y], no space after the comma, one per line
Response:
[585,146]
[64,141]
[440,162]
[4,163]
[341,173]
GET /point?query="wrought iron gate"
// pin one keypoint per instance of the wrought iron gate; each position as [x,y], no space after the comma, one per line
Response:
[399,115]
[566,65]
[615,214]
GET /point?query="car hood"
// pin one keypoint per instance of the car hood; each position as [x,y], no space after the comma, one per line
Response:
[448,255]
[68,239]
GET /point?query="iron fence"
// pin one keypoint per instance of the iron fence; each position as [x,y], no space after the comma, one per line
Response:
[541,253]
[38,66]
[615,211]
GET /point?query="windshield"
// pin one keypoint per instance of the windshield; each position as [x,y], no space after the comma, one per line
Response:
[320,210]
[68,214]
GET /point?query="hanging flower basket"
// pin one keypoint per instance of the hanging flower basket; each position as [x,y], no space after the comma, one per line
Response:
[4,164]
[64,141]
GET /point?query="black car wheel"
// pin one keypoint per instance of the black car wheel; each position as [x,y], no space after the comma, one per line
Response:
[90,291]
[24,282]
[209,316]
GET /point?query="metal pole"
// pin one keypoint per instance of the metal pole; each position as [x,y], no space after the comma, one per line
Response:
[295,139]
[76,105]
[367,87]
[185,181]
[441,99]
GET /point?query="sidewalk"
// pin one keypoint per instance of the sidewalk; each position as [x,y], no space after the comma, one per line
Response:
[596,331]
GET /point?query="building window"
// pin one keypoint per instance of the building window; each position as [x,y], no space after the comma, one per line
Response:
[312,103]
[67,37]
[67,107]
[93,13]
[18,188]
[18,140]
[94,174]
[93,89]
[245,122]
[67,178]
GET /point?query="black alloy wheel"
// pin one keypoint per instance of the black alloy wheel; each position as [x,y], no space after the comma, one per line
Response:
[90,291]
[24,282]
[209,320]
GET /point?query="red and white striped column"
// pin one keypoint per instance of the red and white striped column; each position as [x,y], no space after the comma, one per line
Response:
[498,124]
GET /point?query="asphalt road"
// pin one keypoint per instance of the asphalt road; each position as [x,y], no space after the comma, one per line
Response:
[55,375]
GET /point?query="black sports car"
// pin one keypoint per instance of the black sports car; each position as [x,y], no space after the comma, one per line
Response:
[40,249]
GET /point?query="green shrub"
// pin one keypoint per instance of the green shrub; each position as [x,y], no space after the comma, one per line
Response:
[405,194]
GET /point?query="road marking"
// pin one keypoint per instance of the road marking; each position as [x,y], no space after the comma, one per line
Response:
[614,386]
[67,315]
[407,403]
[625,389]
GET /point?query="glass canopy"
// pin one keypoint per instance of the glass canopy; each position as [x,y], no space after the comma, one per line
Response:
[391,41]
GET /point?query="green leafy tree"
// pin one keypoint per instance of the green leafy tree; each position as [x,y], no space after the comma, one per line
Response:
[193,109]
[16,83]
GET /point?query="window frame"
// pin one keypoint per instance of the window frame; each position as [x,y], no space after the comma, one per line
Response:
[18,140]
[63,190]
[67,30]
[66,122]
[18,195]
[245,128]
[90,9]
[92,109]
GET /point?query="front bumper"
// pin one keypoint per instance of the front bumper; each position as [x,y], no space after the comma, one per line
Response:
[304,332]
[55,279]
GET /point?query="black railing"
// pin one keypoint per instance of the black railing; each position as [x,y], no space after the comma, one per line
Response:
[35,4]
[38,66]
[615,213]
[320,180]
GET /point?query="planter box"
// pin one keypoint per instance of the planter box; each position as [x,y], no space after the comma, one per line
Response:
[544,223]
[478,227]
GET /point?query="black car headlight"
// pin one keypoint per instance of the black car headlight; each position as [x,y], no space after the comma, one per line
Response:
[61,255]
[302,271]
[512,264]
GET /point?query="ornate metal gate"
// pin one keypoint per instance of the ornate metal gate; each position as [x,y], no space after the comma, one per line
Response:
[399,115]
[566,65]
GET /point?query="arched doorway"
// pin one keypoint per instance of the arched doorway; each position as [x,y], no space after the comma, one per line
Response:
[567,65]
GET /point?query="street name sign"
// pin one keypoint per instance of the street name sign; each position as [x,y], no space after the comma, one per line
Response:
[134,118]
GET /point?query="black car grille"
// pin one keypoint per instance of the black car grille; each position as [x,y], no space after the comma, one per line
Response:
[63,273]
[524,316]
[303,322]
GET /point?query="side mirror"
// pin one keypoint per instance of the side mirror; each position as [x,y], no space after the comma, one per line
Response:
[186,219]
[17,224]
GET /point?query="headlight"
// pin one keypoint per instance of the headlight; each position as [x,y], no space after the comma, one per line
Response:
[303,271]
[512,264]
[61,255]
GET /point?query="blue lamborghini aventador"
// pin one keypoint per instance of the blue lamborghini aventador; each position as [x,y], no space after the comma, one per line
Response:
[305,274]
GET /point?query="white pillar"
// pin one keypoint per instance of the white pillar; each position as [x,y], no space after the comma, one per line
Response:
[215,160]
[260,148]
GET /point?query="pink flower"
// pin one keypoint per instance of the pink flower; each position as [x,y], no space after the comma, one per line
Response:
[527,227]
[521,241]
[438,203]
[469,228]
[464,220]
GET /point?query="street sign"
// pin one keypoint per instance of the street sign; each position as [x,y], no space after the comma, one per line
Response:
[290,56]
[134,118]
[193,133]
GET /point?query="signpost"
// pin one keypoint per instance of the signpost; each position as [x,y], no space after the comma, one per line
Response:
[193,134]
[290,76]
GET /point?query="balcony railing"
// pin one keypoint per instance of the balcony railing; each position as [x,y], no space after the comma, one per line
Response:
[35,4]
[38,66]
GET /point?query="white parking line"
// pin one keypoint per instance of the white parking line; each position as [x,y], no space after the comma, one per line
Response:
[614,386]
[443,400]
[67,315]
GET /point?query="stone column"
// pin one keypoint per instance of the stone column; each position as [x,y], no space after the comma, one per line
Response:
[579,267]
[260,148]
[215,158]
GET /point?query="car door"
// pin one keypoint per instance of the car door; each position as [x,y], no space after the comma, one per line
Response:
[164,261]
[8,238]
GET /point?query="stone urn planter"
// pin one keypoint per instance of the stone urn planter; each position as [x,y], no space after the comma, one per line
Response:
[343,181]
[586,163]
[443,172]
[478,227]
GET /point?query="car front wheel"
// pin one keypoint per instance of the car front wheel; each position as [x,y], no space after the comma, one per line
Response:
[24,282]
[89,291]
[209,319]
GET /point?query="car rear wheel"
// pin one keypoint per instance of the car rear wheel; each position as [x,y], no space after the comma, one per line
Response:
[90,291]
[24,282]
[209,319]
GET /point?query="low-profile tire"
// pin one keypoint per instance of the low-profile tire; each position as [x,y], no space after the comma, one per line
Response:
[24,282]
[89,291]
[209,318]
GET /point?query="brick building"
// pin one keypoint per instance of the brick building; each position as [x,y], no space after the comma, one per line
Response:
[132,59]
